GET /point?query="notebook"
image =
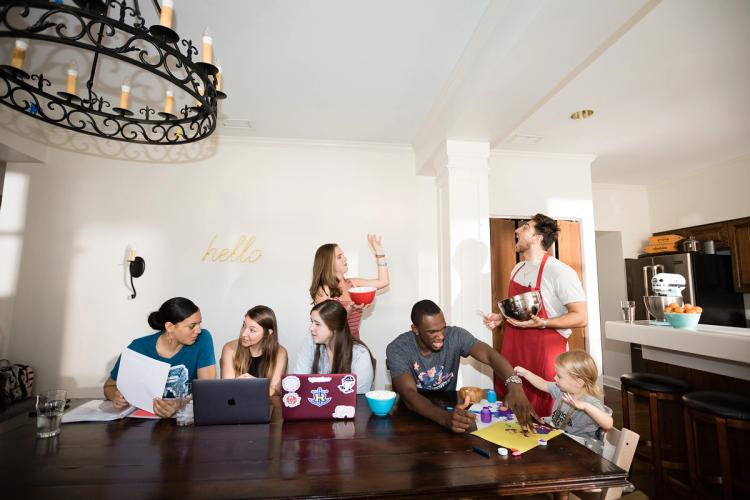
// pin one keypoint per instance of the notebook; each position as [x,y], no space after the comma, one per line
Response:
[231,401]
[318,396]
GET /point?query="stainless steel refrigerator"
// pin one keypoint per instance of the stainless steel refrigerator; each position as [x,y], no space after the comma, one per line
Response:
[709,285]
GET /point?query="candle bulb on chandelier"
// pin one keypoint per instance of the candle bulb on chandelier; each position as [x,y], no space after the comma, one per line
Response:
[124,94]
[218,75]
[208,46]
[167,9]
[198,102]
[19,53]
[70,88]
[169,102]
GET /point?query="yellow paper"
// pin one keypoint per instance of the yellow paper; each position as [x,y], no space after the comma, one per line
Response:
[510,435]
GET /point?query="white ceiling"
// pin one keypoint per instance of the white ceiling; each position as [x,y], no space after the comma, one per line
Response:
[668,79]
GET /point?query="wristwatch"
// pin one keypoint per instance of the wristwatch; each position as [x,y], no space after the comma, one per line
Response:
[513,379]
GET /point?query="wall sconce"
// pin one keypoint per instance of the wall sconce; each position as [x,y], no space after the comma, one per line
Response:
[136,268]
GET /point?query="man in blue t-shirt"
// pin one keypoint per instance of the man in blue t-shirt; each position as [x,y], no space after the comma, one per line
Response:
[427,359]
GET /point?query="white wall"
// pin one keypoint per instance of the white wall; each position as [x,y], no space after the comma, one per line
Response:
[612,289]
[622,219]
[70,316]
[625,209]
[715,193]
[522,184]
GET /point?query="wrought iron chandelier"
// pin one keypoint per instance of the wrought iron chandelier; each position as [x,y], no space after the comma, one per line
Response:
[115,29]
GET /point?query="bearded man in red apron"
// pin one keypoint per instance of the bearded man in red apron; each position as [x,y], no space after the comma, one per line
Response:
[534,344]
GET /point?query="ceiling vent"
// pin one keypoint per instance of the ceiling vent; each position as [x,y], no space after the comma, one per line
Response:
[524,139]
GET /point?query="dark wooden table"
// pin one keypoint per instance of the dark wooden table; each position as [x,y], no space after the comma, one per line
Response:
[401,455]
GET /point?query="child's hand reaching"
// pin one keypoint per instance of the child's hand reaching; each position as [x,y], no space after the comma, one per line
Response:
[578,405]
[520,371]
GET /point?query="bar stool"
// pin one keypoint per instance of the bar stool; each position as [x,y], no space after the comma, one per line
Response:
[659,390]
[729,415]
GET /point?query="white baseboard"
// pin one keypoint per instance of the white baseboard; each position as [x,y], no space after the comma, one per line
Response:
[610,381]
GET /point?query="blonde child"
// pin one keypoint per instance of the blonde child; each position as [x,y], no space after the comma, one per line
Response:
[577,409]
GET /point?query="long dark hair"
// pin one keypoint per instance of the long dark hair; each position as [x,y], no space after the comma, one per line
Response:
[323,276]
[269,344]
[172,311]
[333,315]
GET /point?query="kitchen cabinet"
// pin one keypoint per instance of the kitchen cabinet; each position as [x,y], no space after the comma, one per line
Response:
[718,232]
[739,240]
[732,235]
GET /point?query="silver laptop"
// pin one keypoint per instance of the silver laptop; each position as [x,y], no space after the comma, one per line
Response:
[231,401]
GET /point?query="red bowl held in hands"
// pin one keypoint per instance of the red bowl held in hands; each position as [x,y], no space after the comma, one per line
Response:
[362,295]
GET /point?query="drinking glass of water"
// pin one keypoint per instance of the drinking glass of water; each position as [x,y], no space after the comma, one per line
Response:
[49,412]
[184,415]
[628,310]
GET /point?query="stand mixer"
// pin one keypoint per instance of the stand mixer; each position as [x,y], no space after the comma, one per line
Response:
[667,288]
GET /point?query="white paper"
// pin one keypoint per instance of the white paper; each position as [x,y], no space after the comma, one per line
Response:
[97,410]
[141,379]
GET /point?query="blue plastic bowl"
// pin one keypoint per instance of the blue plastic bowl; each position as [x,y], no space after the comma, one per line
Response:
[688,321]
[380,402]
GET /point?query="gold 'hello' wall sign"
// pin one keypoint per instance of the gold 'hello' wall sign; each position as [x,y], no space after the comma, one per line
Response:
[243,251]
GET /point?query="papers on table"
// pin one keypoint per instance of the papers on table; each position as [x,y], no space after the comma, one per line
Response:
[97,410]
[505,431]
[510,435]
[143,414]
[141,379]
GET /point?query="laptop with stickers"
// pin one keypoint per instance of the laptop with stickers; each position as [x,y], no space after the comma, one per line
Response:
[231,401]
[318,396]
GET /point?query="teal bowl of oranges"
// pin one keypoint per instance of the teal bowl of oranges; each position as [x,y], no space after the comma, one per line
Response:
[685,317]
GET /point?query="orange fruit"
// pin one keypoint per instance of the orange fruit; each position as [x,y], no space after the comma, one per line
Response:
[698,309]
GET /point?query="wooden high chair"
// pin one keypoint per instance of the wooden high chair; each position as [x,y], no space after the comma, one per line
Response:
[619,448]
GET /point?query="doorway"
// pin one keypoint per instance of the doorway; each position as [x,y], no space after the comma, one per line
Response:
[503,258]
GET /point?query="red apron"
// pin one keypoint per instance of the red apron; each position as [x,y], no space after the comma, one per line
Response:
[533,348]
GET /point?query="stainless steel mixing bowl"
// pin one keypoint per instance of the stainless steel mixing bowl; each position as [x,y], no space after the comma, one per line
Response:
[655,305]
[520,307]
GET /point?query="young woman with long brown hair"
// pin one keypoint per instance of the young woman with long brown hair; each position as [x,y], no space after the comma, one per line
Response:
[333,349]
[257,352]
[329,281]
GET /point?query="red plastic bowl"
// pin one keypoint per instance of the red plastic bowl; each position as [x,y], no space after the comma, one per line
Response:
[362,294]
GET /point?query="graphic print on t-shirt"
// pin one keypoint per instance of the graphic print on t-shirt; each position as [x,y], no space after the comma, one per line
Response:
[176,382]
[433,379]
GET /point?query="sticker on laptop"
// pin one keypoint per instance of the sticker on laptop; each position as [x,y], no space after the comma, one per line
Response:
[290,383]
[319,397]
[347,384]
[291,399]
[343,411]
[318,380]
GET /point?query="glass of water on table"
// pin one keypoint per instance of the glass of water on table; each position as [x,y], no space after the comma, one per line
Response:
[49,412]
[628,310]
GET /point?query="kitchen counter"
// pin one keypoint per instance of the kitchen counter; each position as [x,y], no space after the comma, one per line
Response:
[717,349]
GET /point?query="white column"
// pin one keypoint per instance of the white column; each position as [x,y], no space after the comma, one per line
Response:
[464,237]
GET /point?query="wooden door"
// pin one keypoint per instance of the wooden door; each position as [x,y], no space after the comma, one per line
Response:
[569,252]
[503,257]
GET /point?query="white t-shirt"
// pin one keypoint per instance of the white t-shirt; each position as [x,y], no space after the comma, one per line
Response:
[560,285]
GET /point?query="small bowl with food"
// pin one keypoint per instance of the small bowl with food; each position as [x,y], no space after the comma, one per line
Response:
[685,317]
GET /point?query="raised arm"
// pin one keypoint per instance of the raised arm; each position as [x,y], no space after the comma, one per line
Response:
[533,378]
[383,278]
[601,417]
[457,421]
[514,397]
